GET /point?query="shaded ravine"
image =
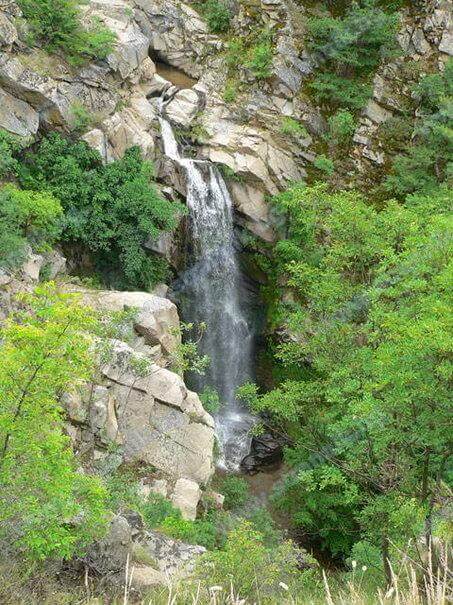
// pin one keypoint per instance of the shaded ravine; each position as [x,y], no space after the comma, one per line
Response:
[209,292]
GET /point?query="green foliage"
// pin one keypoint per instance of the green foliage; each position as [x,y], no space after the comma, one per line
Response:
[235,489]
[201,531]
[217,16]
[57,23]
[293,127]
[26,217]
[47,508]
[185,358]
[427,158]
[156,509]
[341,127]
[230,93]
[210,399]
[254,53]
[110,209]
[10,146]
[245,560]
[368,319]
[260,56]
[350,47]
[324,164]
[81,117]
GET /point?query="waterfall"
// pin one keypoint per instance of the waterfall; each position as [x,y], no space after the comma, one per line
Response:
[211,292]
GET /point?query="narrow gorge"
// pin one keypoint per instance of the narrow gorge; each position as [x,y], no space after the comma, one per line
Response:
[212,293]
[225,302]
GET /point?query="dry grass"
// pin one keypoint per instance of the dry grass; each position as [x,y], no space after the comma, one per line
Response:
[412,584]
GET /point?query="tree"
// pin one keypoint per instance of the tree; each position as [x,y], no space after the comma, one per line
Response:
[112,210]
[26,217]
[369,322]
[47,508]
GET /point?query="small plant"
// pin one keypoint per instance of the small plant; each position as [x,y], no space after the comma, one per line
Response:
[230,93]
[81,117]
[156,509]
[341,127]
[235,489]
[210,400]
[10,145]
[260,58]
[186,357]
[292,127]
[58,24]
[324,164]
[217,16]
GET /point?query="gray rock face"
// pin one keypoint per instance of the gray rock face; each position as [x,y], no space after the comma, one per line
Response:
[186,495]
[183,107]
[173,557]
[157,419]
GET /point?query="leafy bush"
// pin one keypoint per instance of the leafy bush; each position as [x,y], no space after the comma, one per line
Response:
[293,127]
[200,531]
[324,164]
[235,489]
[260,58]
[57,24]
[255,570]
[341,127]
[230,92]
[10,146]
[350,48]
[156,509]
[217,16]
[110,209]
[210,400]
[26,217]
[427,158]
[48,509]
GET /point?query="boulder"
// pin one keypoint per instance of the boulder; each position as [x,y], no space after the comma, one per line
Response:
[186,495]
[173,557]
[152,420]
[156,319]
[17,116]
[183,107]
[144,576]
[110,554]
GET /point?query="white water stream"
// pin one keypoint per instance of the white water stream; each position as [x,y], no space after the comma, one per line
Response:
[211,287]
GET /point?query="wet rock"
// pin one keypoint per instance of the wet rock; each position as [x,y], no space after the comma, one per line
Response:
[266,450]
[183,107]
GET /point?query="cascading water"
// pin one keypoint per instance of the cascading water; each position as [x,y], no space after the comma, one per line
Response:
[211,288]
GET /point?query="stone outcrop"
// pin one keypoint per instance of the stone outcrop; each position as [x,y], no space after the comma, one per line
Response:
[141,406]
[426,39]
[149,557]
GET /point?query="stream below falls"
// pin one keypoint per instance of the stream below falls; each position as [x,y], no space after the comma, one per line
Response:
[212,291]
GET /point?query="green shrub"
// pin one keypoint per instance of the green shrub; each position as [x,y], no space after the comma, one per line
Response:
[341,127]
[230,92]
[156,509]
[57,24]
[200,531]
[337,91]
[260,58]
[110,209]
[26,217]
[426,160]
[217,16]
[255,570]
[235,489]
[324,164]
[10,146]
[210,400]
[81,117]
[292,127]
[349,49]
